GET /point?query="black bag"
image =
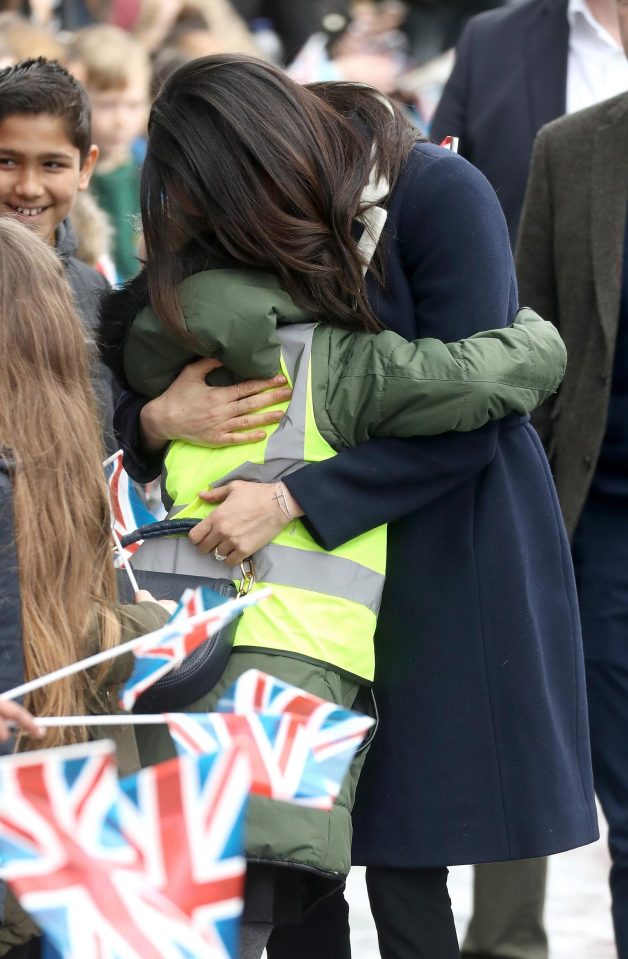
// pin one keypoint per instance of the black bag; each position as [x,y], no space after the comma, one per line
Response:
[200,671]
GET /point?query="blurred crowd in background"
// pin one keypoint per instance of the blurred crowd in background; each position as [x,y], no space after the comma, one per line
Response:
[122,50]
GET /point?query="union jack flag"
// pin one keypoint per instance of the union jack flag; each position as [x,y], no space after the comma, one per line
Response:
[450,143]
[300,746]
[69,857]
[186,820]
[166,648]
[128,511]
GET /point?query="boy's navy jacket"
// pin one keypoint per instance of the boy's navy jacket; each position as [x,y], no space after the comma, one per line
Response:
[482,752]
[88,287]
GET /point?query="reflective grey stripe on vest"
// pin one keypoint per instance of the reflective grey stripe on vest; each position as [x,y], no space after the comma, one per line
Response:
[282,565]
[285,452]
[285,449]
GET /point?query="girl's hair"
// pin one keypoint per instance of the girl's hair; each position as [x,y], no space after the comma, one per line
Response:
[49,427]
[246,166]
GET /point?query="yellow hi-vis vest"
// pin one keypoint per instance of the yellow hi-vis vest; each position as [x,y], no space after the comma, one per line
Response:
[324,604]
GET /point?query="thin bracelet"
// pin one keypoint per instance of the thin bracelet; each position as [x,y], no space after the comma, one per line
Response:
[282,503]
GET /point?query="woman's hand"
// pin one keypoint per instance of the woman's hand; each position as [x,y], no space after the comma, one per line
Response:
[145,596]
[249,517]
[12,713]
[211,415]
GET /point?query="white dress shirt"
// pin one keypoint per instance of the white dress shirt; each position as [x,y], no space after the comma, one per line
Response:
[597,67]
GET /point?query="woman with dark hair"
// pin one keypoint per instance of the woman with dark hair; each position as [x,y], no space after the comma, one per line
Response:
[482,751]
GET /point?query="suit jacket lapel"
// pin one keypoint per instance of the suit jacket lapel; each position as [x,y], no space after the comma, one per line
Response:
[547,52]
[609,202]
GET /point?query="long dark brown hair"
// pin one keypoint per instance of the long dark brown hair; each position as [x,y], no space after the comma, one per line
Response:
[247,167]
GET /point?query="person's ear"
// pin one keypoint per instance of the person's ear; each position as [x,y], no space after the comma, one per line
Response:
[87,168]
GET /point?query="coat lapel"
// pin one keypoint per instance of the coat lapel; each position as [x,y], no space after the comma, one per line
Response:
[547,51]
[609,202]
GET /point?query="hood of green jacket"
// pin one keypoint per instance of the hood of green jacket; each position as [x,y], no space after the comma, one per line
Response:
[231,315]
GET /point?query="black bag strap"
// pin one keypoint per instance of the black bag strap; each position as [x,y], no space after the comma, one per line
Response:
[170,527]
[165,527]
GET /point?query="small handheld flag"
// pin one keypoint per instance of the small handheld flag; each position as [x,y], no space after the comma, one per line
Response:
[301,756]
[229,609]
[128,511]
[76,867]
[182,635]
[186,817]
[450,143]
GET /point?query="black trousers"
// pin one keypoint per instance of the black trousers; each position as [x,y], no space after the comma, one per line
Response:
[600,553]
[412,913]
[31,950]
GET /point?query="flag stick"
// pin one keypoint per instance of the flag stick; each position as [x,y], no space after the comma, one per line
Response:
[249,600]
[117,719]
[94,660]
[116,539]
[125,562]
[110,459]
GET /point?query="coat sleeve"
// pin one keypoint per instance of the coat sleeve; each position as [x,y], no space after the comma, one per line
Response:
[11,649]
[458,264]
[11,654]
[535,262]
[381,385]
[141,466]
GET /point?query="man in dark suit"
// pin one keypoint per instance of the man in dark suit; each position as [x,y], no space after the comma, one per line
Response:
[518,68]
[572,260]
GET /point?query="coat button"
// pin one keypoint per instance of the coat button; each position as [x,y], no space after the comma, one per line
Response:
[603,378]
[587,462]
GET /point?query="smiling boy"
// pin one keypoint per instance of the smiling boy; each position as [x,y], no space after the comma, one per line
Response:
[40,171]
[46,159]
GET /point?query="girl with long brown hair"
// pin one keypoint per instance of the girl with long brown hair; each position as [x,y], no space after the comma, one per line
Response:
[50,436]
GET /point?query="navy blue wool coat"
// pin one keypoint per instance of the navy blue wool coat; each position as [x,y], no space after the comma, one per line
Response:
[482,752]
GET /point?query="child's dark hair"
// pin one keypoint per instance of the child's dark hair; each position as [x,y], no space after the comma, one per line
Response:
[35,87]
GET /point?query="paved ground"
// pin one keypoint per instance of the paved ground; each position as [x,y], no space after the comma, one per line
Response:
[577,909]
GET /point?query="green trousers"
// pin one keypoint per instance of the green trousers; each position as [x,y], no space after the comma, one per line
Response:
[508,903]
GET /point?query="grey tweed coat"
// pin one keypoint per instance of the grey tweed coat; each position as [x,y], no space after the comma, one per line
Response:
[569,264]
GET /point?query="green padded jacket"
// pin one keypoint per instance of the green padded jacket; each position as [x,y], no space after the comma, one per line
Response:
[363,384]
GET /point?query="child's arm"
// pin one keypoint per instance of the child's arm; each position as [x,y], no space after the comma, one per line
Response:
[381,385]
